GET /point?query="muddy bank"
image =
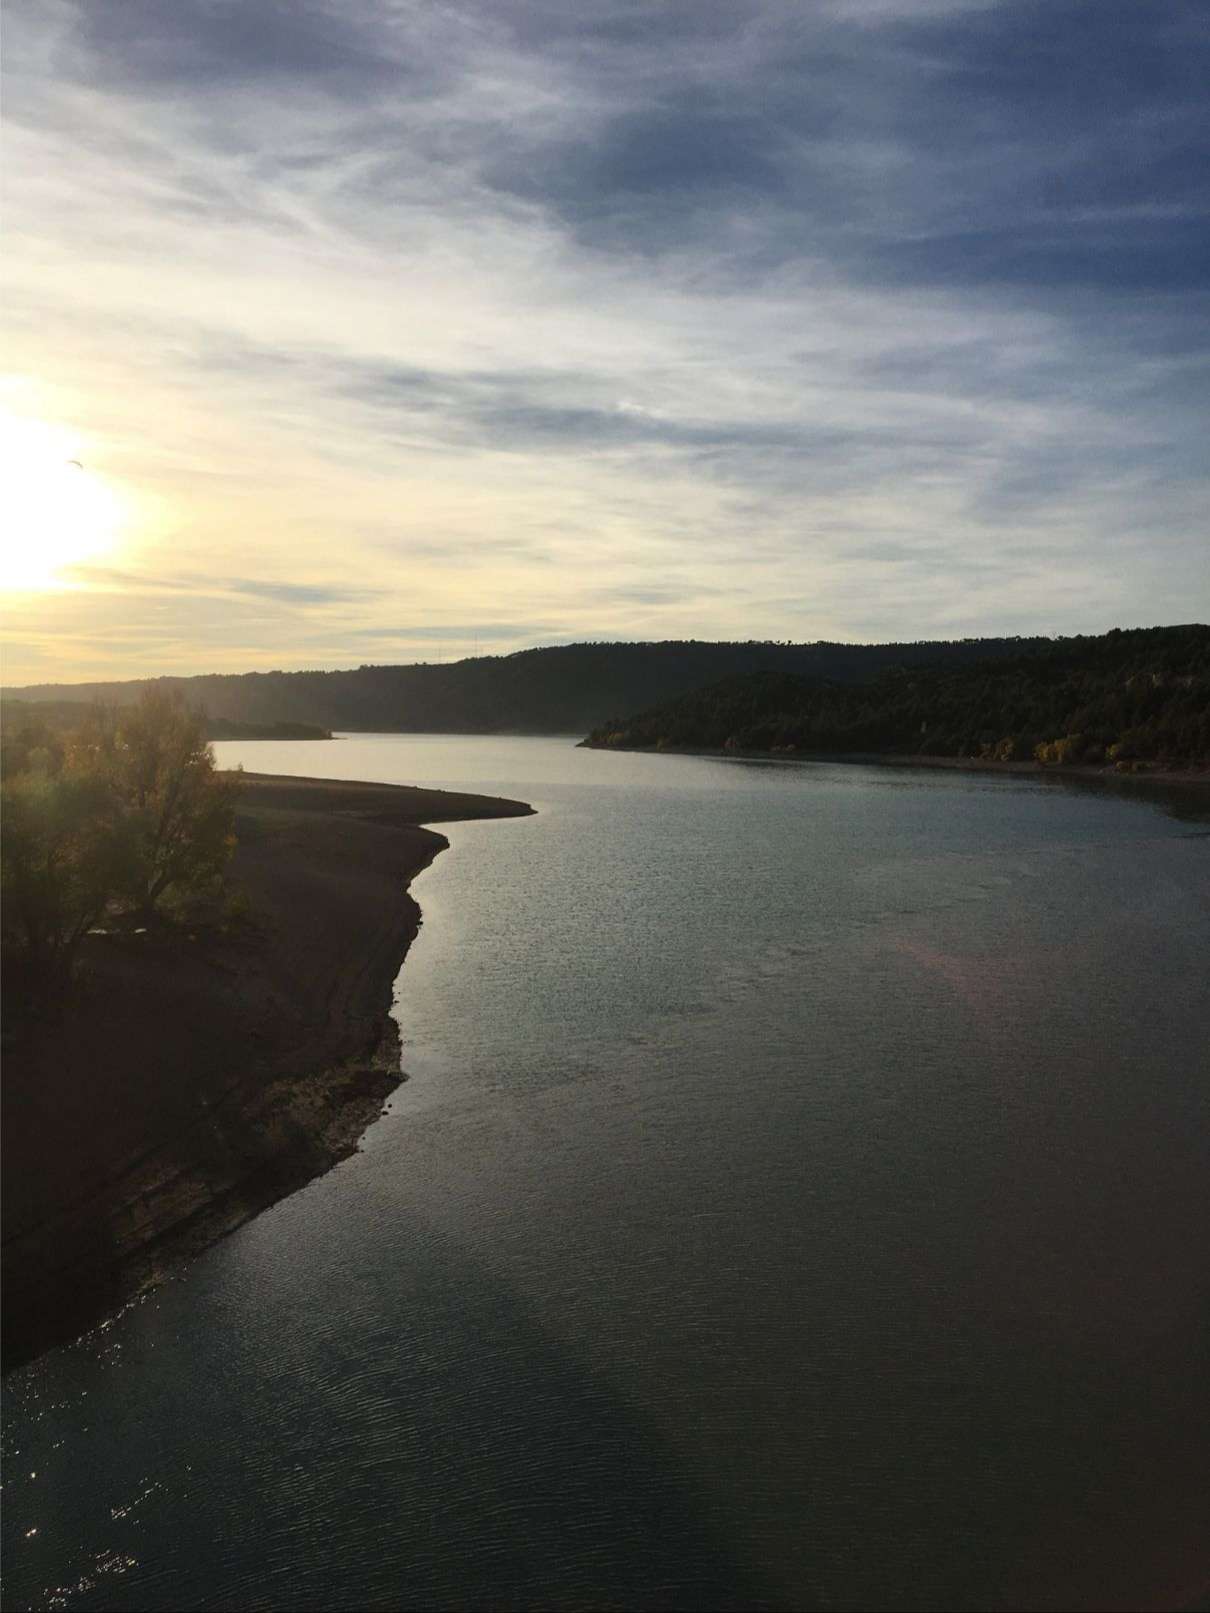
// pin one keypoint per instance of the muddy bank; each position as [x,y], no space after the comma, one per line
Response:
[195,1078]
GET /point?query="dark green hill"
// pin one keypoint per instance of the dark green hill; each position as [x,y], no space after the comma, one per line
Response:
[1137,696]
[566,689]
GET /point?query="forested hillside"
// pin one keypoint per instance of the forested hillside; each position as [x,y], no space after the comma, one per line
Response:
[1127,698]
[566,689]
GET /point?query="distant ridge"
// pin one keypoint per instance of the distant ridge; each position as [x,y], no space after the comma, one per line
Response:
[567,689]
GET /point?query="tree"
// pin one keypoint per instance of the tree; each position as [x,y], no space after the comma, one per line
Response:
[127,811]
[68,851]
[157,759]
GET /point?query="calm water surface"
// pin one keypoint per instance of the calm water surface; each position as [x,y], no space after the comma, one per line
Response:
[799,1200]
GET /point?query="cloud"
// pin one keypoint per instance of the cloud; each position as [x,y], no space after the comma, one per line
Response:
[756,319]
[210,47]
[115,580]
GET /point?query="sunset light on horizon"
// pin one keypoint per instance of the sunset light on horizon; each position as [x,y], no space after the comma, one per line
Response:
[406,329]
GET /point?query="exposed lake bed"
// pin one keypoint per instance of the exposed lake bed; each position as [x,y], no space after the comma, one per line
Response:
[798,1199]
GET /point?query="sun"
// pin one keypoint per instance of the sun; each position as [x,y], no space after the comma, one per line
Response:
[54,510]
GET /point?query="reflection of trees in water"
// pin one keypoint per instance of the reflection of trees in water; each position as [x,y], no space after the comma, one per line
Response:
[1189,803]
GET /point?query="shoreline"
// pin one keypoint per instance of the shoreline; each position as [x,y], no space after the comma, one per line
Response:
[195,1078]
[960,764]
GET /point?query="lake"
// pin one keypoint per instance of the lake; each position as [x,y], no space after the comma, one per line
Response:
[799,1199]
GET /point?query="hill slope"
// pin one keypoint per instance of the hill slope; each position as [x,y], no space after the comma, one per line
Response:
[567,689]
[1142,695]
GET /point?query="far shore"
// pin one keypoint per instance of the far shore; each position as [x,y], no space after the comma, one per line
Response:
[960,764]
[195,1077]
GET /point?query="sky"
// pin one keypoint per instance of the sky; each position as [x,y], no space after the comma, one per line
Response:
[376,331]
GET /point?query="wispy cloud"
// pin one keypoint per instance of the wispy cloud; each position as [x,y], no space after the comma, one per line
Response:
[873,317]
[114,580]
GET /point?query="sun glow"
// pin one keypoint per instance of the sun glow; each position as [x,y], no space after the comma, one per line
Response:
[55,512]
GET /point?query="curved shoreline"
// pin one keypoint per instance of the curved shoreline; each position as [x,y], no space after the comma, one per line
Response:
[195,1079]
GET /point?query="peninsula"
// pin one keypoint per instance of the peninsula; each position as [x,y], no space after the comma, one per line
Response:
[196,1076]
